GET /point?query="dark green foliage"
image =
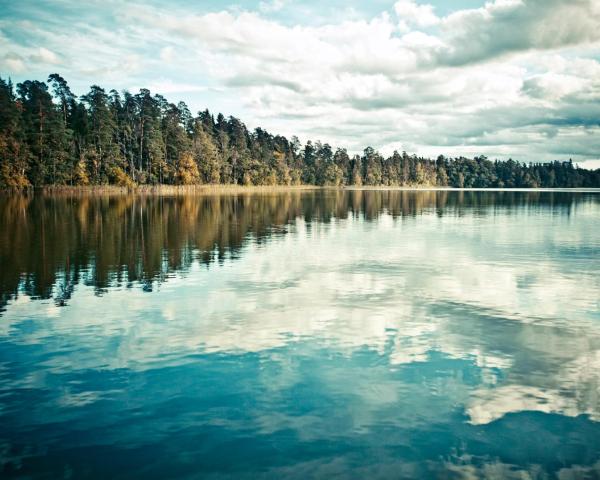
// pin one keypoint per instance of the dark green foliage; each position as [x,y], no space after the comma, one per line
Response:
[124,139]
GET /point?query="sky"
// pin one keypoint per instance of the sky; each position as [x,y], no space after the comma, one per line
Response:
[504,78]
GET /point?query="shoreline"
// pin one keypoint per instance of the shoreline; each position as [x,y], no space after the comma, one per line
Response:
[216,189]
[207,189]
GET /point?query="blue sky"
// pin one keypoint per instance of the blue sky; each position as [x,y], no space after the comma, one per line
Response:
[506,78]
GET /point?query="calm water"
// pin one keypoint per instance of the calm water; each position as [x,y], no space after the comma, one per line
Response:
[301,335]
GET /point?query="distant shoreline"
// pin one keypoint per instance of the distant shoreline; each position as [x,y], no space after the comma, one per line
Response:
[456,189]
[215,189]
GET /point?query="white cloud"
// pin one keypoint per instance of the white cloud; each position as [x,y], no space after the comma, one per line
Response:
[12,63]
[552,86]
[165,87]
[271,6]
[412,14]
[43,55]
[509,26]
[167,54]
[521,73]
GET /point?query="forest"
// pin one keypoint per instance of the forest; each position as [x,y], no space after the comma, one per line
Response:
[49,136]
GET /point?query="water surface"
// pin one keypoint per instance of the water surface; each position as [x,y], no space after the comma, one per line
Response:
[316,334]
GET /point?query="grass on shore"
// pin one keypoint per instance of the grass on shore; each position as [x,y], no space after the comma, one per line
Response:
[209,189]
[218,189]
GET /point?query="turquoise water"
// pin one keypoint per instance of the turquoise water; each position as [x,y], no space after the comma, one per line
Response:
[318,334]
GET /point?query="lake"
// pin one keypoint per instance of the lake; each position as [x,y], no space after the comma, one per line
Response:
[302,334]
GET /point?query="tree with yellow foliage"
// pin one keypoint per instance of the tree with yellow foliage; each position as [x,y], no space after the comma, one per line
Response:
[187,170]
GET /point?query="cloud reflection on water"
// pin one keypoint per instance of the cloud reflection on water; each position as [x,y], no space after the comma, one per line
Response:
[509,286]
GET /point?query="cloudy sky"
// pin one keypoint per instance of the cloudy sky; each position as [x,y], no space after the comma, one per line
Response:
[505,78]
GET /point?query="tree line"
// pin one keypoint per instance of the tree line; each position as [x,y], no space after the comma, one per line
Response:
[49,136]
